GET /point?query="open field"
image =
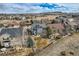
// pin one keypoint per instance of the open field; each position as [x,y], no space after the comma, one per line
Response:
[68,44]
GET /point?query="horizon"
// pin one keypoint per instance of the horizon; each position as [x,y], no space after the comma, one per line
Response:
[27,8]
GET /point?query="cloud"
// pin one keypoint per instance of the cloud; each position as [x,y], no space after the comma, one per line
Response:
[38,7]
[70,7]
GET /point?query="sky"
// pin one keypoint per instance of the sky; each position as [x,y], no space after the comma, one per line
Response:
[20,8]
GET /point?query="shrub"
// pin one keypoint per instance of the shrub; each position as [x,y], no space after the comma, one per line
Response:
[63,53]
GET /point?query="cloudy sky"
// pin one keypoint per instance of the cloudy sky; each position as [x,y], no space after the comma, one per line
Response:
[38,7]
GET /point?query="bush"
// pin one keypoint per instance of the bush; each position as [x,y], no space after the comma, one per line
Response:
[63,53]
[31,54]
[71,53]
[57,37]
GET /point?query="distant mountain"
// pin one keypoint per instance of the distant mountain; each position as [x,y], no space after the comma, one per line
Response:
[23,8]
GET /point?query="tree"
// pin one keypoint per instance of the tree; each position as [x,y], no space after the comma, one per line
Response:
[49,32]
[31,21]
[30,43]
[38,40]
[1,25]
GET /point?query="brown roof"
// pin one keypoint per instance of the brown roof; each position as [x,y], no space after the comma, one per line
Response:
[56,26]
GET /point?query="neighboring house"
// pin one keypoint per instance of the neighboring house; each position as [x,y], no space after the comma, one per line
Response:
[60,19]
[58,27]
[76,25]
[66,23]
[15,33]
[38,29]
[73,23]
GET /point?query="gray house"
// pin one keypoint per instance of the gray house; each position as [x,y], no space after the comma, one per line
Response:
[14,33]
[38,29]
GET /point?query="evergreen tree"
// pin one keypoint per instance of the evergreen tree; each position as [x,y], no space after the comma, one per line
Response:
[49,32]
[30,43]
